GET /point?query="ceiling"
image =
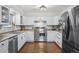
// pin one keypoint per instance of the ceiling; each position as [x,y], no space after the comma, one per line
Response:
[54,9]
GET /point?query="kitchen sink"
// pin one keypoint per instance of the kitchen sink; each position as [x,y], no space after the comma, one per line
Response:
[4,36]
[16,32]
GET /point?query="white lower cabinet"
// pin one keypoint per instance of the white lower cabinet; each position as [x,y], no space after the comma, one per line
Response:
[59,39]
[55,36]
[26,36]
[21,40]
[30,36]
[4,46]
[51,36]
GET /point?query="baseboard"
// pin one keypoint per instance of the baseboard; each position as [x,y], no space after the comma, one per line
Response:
[21,47]
[58,45]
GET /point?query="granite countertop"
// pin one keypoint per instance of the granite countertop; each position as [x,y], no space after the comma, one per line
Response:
[6,36]
[55,30]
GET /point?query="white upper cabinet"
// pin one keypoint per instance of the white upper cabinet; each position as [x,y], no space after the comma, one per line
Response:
[27,20]
[18,19]
[52,20]
[15,17]
[4,15]
[9,16]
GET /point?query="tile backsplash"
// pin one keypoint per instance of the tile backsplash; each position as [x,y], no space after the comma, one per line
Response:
[4,29]
[0,26]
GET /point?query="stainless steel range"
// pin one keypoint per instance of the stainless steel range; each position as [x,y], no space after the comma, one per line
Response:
[40,31]
[40,34]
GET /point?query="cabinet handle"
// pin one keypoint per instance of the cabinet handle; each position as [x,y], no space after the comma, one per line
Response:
[58,34]
[58,37]
[21,37]
[2,44]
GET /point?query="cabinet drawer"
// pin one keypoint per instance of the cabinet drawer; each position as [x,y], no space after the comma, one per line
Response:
[4,46]
[4,51]
[21,40]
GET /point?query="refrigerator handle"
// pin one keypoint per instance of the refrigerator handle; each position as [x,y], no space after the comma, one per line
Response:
[68,28]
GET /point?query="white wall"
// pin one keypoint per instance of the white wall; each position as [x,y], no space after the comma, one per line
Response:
[51,20]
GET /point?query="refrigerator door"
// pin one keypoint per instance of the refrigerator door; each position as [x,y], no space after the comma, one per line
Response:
[71,31]
[68,33]
[76,20]
[66,29]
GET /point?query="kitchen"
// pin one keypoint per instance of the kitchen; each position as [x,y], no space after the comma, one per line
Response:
[36,28]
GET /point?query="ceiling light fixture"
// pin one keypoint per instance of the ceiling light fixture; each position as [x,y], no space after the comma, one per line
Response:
[43,8]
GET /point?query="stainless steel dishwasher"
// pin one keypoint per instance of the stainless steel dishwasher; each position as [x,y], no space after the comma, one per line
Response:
[13,45]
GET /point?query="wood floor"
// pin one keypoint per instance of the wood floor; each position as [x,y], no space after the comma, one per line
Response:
[40,47]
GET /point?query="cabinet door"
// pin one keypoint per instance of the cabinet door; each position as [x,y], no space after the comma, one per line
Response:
[30,36]
[51,36]
[25,37]
[4,47]
[28,20]
[19,41]
[59,39]
[17,19]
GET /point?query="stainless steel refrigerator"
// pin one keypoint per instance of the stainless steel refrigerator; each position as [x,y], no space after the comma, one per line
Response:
[70,43]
